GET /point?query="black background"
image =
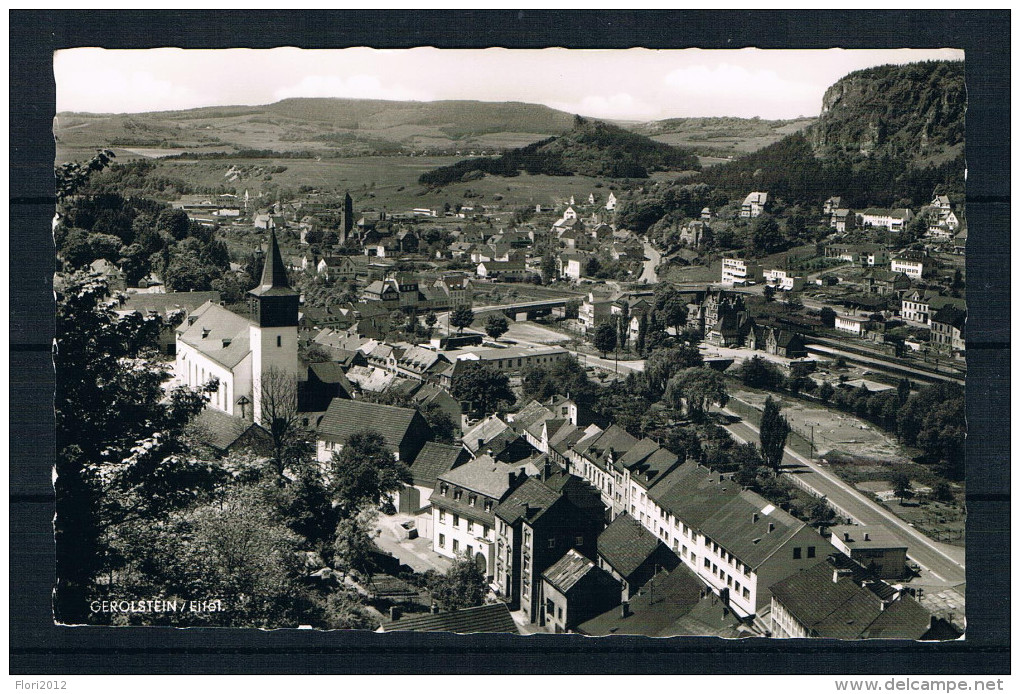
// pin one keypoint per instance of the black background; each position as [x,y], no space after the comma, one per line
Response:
[38,646]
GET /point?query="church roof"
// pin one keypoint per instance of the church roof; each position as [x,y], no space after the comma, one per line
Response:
[274,273]
[219,334]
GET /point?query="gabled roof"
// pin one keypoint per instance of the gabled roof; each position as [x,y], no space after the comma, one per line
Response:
[484,475]
[693,493]
[626,545]
[529,501]
[485,619]
[221,430]
[486,430]
[569,571]
[346,417]
[435,459]
[144,302]
[734,527]
[950,315]
[843,608]
[219,334]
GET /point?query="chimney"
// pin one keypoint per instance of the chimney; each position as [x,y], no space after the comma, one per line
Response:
[772,526]
[481,442]
[527,509]
[434,608]
[513,478]
[205,332]
[625,609]
[835,575]
[867,538]
[846,537]
[547,470]
[754,518]
[394,613]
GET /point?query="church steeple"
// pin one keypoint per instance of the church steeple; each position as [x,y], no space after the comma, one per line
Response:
[273,303]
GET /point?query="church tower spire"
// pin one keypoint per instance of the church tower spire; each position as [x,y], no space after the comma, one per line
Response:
[273,334]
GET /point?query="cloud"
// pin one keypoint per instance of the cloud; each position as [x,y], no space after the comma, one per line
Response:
[727,89]
[619,106]
[353,87]
[123,91]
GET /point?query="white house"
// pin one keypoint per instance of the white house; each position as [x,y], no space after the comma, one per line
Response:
[892,220]
[783,280]
[611,202]
[910,264]
[754,204]
[739,271]
[854,325]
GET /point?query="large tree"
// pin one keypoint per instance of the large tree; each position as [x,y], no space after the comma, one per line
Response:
[772,433]
[604,339]
[663,364]
[496,325]
[119,434]
[484,386]
[461,317]
[364,473]
[462,586]
[698,387]
[277,391]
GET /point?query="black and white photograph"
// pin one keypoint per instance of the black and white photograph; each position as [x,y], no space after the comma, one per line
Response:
[627,342]
[516,342]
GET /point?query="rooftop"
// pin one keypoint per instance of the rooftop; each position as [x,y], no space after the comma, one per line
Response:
[625,545]
[485,619]
[346,417]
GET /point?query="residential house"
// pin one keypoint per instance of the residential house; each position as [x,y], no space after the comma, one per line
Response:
[784,280]
[223,433]
[502,270]
[115,277]
[536,524]
[739,271]
[697,233]
[754,204]
[830,206]
[403,429]
[326,382]
[862,254]
[836,599]
[910,263]
[843,220]
[919,305]
[457,288]
[339,267]
[671,604]
[593,312]
[737,542]
[948,329]
[611,202]
[882,282]
[778,341]
[873,547]
[891,220]
[572,264]
[632,555]
[463,508]
[574,590]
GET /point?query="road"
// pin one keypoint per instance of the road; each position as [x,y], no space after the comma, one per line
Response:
[943,562]
[648,274]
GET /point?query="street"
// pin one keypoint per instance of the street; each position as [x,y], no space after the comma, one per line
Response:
[943,562]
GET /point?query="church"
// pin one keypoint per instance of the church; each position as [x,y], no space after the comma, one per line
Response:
[241,352]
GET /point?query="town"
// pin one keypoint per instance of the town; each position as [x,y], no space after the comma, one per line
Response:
[739,416]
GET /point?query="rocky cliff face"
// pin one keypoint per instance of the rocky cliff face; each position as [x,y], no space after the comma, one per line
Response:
[913,111]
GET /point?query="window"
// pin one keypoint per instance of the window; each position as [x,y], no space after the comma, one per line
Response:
[579,541]
[442,540]
[488,505]
[811,552]
[747,594]
[683,551]
[707,563]
[443,489]
[469,550]
[559,613]
[456,545]
[456,521]
[729,580]
[552,542]
[470,527]
[442,516]
[279,341]
[472,499]
[747,570]
[549,607]
[457,494]
[796,552]
[527,563]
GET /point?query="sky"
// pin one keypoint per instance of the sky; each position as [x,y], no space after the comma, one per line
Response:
[633,84]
